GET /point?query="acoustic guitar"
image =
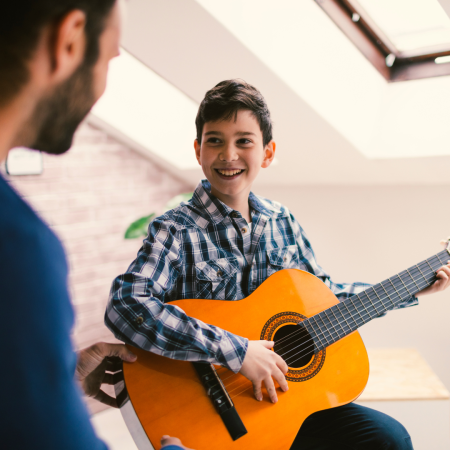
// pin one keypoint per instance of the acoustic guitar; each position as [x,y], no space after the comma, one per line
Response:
[210,407]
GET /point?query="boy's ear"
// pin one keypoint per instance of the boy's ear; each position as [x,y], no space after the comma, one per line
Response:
[269,154]
[197,147]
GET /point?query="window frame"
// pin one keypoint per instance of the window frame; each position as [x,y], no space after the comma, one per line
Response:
[376,47]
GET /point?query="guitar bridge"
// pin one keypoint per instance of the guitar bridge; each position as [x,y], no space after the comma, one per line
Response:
[221,400]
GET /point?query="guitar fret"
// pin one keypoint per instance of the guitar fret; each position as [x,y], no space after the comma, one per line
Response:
[362,303]
[325,312]
[323,334]
[437,256]
[405,286]
[371,303]
[381,301]
[429,265]
[356,308]
[423,276]
[351,316]
[337,307]
[337,320]
[306,324]
[414,281]
[388,296]
[393,285]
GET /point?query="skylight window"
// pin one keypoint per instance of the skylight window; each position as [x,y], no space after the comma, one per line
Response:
[404,39]
[410,25]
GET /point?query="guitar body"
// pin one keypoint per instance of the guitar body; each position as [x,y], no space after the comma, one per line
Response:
[169,398]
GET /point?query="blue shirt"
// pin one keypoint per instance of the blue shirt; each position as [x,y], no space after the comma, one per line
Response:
[205,249]
[40,401]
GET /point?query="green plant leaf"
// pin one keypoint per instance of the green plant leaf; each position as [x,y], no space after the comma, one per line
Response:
[139,227]
[175,201]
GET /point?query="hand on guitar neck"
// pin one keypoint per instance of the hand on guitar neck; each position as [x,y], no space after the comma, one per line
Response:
[262,365]
[442,282]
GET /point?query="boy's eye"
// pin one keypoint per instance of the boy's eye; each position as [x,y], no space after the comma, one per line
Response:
[213,140]
[244,141]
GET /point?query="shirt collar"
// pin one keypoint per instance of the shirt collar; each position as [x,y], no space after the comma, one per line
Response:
[217,210]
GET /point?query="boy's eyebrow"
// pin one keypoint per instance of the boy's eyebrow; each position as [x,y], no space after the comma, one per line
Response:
[239,133]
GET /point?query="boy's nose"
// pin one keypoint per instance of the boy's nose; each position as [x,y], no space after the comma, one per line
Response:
[228,154]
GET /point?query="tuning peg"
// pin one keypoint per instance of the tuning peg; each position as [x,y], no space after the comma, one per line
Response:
[446,242]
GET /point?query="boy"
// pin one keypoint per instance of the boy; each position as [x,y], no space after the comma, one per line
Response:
[223,244]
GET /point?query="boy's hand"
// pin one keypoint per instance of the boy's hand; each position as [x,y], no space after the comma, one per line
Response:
[442,282]
[167,440]
[261,364]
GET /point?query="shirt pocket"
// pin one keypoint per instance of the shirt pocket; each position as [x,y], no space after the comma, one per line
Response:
[216,278]
[282,258]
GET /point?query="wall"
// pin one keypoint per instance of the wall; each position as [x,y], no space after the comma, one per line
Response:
[371,233]
[89,196]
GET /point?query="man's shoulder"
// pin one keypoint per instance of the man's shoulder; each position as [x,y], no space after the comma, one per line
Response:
[16,216]
[23,234]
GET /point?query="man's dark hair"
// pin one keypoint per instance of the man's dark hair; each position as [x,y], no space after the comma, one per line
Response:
[21,23]
[223,102]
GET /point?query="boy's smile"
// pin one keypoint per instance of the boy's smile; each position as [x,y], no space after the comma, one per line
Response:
[231,155]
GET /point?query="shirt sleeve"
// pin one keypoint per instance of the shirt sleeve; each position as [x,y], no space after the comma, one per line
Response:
[136,312]
[342,291]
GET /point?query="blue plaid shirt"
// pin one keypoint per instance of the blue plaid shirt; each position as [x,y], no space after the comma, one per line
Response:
[205,249]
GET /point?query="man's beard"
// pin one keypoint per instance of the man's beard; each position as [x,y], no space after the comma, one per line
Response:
[58,115]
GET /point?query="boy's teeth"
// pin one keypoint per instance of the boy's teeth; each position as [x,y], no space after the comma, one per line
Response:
[229,173]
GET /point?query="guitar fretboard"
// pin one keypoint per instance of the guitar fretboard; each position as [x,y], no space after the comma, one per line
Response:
[342,319]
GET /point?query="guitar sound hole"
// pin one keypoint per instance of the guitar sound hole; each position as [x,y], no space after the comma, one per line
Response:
[294,344]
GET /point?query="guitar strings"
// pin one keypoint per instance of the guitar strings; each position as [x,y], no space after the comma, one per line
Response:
[391,291]
[421,284]
[351,316]
[246,381]
[363,316]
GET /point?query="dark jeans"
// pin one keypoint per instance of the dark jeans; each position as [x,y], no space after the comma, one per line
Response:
[351,427]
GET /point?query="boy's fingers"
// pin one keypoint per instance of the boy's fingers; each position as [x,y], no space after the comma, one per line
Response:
[281,380]
[270,386]
[257,390]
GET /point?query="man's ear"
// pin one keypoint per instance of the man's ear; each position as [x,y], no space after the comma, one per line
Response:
[197,147]
[269,154]
[69,43]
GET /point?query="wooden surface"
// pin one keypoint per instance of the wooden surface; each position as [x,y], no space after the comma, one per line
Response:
[401,374]
[169,399]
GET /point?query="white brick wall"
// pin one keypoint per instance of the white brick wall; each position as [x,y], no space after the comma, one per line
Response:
[89,196]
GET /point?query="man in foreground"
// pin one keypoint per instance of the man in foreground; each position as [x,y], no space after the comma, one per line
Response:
[54,59]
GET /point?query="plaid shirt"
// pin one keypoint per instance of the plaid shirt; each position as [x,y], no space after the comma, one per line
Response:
[205,249]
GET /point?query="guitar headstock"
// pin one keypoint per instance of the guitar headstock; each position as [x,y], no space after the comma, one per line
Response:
[446,244]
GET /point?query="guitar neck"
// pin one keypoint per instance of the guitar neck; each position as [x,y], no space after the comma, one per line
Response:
[345,317]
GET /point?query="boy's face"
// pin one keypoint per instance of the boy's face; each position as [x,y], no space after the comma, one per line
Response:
[231,155]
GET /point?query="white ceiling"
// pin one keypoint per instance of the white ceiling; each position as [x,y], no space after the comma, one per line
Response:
[328,104]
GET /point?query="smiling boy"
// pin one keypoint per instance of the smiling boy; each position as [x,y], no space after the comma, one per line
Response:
[223,244]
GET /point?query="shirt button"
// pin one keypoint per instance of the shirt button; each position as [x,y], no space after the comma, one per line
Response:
[139,320]
[285,259]
[244,230]
[219,273]
[235,215]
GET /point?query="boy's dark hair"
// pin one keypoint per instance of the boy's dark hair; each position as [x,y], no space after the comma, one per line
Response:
[223,102]
[22,21]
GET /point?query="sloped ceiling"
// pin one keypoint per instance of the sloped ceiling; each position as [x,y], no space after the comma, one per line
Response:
[190,48]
